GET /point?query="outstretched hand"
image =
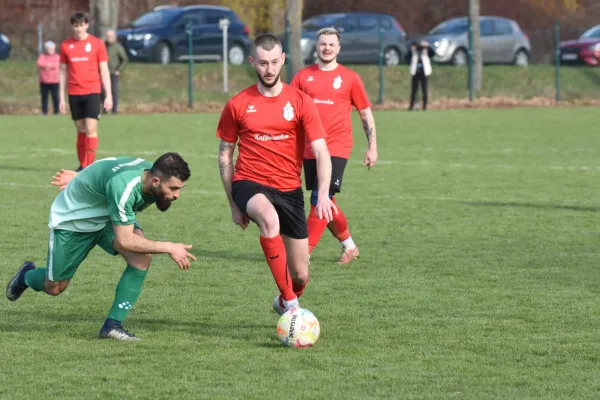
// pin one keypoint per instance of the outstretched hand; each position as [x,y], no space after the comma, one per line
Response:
[179,253]
[62,178]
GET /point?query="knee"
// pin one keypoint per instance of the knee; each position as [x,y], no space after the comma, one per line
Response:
[140,261]
[55,288]
[299,271]
[269,224]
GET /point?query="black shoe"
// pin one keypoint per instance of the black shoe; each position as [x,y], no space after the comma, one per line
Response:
[79,169]
[114,330]
[16,286]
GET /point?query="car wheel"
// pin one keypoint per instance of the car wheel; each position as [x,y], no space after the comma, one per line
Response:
[460,58]
[521,59]
[391,56]
[163,53]
[236,55]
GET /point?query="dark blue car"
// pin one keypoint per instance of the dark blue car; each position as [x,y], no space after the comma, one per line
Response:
[160,35]
[4,47]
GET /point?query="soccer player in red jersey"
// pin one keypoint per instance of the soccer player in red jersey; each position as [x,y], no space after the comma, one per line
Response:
[84,58]
[335,89]
[271,122]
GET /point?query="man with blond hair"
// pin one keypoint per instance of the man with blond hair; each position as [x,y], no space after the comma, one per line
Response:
[335,89]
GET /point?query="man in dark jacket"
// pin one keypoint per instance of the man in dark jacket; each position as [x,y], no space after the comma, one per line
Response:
[117,59]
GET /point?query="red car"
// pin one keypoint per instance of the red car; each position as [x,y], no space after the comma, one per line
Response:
[582,51]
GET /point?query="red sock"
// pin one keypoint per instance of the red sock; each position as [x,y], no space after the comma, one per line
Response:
[299,289]
[91,144]
[339,225]
[277,259]
[81,148]
[316,227]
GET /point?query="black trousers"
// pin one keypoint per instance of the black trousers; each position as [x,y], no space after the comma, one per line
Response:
[114,89]
[416,79]
[45,89]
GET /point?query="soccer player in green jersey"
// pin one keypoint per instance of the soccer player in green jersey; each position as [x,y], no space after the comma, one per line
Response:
[98,207]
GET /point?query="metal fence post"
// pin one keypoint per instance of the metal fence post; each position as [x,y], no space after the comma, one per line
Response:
[557,59]
[224,25]
[188,30]
[470,76]
[39,34]
[380,32]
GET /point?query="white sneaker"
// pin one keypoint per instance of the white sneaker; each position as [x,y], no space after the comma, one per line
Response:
[287,305]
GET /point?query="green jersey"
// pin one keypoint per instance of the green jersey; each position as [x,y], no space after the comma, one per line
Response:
[107,191]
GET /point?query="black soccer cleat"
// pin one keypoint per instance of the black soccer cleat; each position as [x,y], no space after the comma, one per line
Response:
[79,169]
[114,330]
[16,286]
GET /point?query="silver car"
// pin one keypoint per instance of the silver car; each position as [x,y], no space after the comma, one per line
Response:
[501,41]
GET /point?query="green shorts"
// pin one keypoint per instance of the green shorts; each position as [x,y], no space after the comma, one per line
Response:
[68,249]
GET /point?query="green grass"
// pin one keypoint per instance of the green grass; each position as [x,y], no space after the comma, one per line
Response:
[478,275]
[146,86]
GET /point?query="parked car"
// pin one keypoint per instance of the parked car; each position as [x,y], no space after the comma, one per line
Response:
[501,41]
[4,46]
[583,51]
[160,35]
[360,37]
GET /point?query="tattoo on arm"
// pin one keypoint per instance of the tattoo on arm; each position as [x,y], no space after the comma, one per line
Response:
[368,130]
[224,147]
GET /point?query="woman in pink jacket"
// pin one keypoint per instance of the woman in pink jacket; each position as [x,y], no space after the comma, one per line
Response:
[49,65]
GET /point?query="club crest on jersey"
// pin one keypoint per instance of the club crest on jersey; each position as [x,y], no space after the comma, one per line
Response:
[337,82]
[88,47]
[288,112]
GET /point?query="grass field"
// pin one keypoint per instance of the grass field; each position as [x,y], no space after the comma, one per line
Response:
[478,275]
[150,86]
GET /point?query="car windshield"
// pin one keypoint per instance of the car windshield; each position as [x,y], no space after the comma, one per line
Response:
[593,33]
[322,21]
[453,26]
[161,17]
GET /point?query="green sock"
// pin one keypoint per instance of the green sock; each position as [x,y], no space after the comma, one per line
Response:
[35,279]
[128,290]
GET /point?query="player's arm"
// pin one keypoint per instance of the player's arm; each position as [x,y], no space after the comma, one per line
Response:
[105,77]
[226,150]
[62,83]
[368,123]
[325,207]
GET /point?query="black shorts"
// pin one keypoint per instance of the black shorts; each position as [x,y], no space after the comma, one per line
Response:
[289,206]
[85,106]
[338,165]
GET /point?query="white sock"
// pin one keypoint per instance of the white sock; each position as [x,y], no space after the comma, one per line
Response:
[287,304]
[348,244]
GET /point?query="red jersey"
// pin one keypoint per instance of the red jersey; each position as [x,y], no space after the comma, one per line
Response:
[83,58]
[334,93]
[272,133]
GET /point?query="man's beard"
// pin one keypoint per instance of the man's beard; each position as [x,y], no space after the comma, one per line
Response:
[325,61]
[268,85]
[162,203]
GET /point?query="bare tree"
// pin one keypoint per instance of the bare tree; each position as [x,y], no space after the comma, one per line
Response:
[104,15]
[294,16]
[476,50]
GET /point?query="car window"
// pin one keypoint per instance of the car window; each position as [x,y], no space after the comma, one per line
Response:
[157,18]
[451,27]
[321,21]
[593,33]
[368,23]
[213,17]
[486,27]
[386,23]
[348,24]
[194,17]
[502,27]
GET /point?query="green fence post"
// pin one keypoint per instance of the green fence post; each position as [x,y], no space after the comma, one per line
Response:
[380,31]
[188,30]
[470,76]
[557,59]
[288,39]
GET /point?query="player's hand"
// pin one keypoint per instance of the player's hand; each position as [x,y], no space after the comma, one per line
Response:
[62,178]
[179,253]
[108,103]
[325,208]
[239,218]
[370,158]
[62,106]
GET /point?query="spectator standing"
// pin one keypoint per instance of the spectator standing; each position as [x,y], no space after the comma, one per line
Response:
[49,66]
[420,69]
[117,59]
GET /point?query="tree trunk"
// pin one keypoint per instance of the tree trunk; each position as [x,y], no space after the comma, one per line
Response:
[105,16]
[477,56]
[294,16]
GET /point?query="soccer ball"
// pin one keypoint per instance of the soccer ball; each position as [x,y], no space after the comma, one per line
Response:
[298,327]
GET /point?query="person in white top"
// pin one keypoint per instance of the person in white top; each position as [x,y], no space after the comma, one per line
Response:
[420,69]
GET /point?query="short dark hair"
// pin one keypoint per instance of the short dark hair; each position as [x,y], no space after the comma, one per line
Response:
[265,41]
[79,18]
[169,165]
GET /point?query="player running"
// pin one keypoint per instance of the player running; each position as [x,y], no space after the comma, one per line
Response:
[335,89]
[271,122]
[85,59]
[98,206]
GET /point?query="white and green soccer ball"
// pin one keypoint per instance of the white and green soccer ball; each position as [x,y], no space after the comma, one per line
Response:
[298,327]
